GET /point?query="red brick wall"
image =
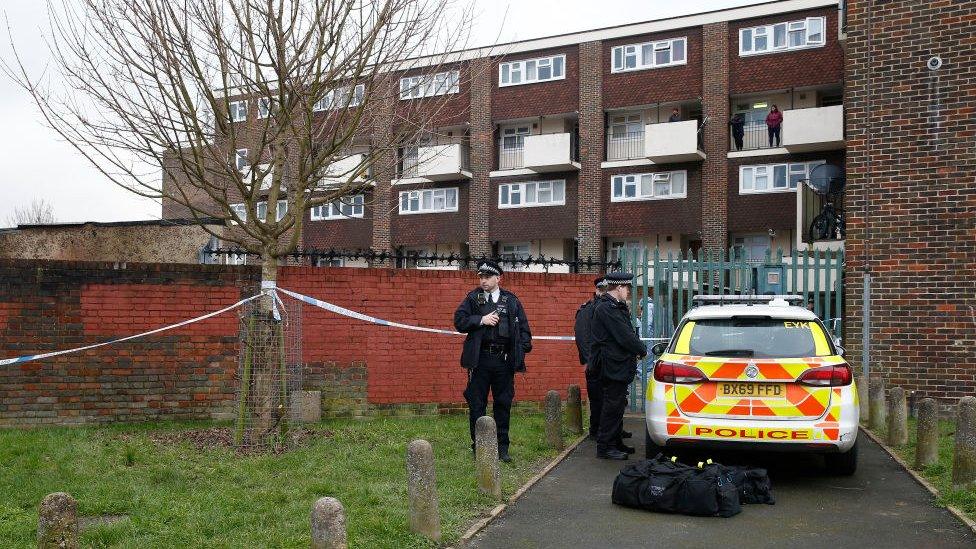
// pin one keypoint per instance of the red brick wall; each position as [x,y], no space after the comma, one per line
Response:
[774,71]
[640,218]
[430,228]
[341,234]
[540,99]
[644,87]
[534,223]
[715,103]
[440,111]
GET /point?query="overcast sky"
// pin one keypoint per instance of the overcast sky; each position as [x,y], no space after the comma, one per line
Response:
[38,165]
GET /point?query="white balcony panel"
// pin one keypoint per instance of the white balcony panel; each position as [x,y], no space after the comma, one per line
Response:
[816,129]
[672,142]
[340,171]
[549,153]
[443,162]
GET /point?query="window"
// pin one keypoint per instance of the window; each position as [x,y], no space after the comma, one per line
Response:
[430,85]
[619,249]
[330,262]
[774,177]
[515,251]
[240,210]
[428,201]
[792,35]
[262,210]
[649,186]
[527,71]
[625,136]
[238,111]
[264,107]
[339,98]
[533,193]
[240,159]
[649,55]
[343,208]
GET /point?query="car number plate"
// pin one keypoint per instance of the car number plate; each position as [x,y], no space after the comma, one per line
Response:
[752,389]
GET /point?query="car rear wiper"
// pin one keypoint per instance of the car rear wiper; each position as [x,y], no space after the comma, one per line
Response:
[731,352]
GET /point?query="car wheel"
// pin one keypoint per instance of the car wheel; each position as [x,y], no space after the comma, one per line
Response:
[651,450]
[842,464]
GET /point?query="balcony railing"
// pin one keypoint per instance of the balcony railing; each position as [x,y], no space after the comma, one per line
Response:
[511,156]
[438,162]
[546,152]
[625,146]
[755,136]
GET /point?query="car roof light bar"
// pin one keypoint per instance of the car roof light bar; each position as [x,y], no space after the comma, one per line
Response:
[747,299]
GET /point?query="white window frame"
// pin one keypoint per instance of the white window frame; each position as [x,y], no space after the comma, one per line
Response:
[649,181]
[237,113]
[333,210]
[750,175]
[514,254]
[807,28]
[263,205]
[430,85]
[339,98]
[264,107]
[523,67]
[420,196]
[240,160]
[507,190]
[633,57]
[616,247]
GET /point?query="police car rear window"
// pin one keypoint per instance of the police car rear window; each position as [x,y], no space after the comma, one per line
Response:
[753,337]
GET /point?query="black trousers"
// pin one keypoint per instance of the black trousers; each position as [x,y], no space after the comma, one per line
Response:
[774,132]
[594,390]
[491,374]
[737,139]
[612,414]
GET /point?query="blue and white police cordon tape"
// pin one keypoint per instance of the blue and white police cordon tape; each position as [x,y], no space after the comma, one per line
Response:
[372,319]
[28,358]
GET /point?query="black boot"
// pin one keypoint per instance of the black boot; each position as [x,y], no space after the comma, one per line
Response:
[503,455]
[612,454]
[626,449]
[626,434]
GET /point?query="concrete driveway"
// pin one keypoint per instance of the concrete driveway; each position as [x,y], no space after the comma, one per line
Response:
[880,506]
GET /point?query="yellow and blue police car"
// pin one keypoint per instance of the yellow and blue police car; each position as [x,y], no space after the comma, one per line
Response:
[755,373]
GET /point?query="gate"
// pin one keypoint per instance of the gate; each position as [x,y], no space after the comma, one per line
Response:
[665,285]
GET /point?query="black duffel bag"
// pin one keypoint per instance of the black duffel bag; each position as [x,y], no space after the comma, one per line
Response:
[667,486]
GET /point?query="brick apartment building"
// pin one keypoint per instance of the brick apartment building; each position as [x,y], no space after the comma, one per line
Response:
[565,149]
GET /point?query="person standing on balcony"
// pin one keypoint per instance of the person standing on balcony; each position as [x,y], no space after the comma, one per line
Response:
[774,123]
[675,115]
[498,338]
[738,125]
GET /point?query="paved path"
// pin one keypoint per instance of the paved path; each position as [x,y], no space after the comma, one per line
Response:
[880,506]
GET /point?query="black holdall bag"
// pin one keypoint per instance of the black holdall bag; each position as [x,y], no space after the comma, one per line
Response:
[651,484]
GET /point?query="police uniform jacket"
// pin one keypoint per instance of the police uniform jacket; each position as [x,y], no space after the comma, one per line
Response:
[614,346]
[584,318]
[467,320]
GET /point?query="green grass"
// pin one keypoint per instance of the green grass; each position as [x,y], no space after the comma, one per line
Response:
[178,496]
[940,474]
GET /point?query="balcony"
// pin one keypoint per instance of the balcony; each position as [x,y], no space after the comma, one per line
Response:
[446,162]
[625,146]
[815,129]
[672,142]
[553,152]
[340,171]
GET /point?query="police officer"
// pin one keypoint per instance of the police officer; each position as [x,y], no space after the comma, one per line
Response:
[497,339]
[584,317]
[614,349]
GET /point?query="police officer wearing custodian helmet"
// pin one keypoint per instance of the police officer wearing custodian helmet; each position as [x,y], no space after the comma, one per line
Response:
[498,338]
[614,350]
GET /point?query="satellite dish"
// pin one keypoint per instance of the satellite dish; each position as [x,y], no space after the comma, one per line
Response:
[826,179]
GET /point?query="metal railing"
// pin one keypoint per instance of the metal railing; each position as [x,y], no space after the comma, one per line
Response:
[512,156]
[625,146]
[754,137]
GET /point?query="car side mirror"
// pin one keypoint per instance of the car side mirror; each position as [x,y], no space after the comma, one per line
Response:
[659,348]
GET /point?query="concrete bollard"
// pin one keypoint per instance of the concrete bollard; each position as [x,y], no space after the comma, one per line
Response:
[574,410]
[422,490]
[927,438]
[328,524]
[964,456]
[863,397]
[57,524]
[486,457]
[897,417]
[554,421]
[877,419]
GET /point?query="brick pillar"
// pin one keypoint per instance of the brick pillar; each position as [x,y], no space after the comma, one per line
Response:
[715,105]
[384,168]
[482,148]
[590,207]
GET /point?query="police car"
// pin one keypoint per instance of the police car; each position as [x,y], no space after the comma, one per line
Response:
[753,372]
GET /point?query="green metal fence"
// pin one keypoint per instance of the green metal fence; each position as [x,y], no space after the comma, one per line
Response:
[666,283]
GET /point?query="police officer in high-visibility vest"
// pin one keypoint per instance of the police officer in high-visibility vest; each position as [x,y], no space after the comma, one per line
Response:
[614,349]
[498,338]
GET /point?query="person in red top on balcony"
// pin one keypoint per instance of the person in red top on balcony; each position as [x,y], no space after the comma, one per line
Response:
[774,123]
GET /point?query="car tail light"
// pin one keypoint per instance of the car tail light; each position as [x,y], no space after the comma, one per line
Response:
[671,372]
[827,376]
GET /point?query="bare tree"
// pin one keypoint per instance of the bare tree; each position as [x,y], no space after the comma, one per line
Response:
[247,104]
[40,212]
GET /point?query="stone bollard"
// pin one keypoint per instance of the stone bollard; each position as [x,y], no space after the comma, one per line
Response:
[964,456]
[897,417]
[864,401]
[877,418]
[422,490]
[927,438]
[328,524]
[554,422]
[486,457]
[57,524]
[574,410]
